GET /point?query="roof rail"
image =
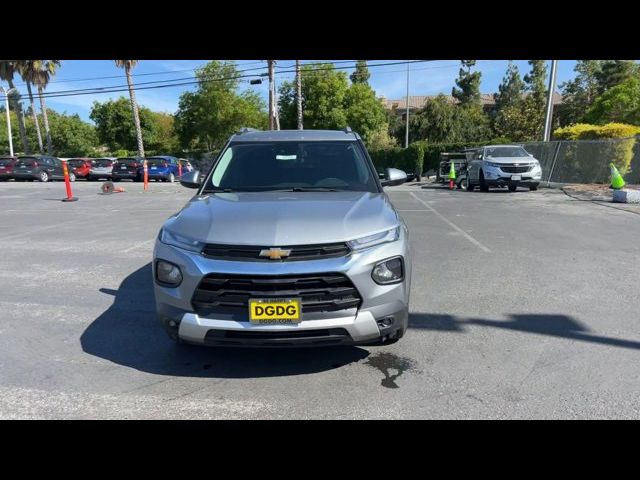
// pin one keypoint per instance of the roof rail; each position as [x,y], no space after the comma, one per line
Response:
[247,130]
[347,130]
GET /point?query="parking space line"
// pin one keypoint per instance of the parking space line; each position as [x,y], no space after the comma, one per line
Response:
[451,224]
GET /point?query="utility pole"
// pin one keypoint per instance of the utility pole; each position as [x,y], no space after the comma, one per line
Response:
[299,94]
[270,63]
[406,138]
[549,114]
[6,108]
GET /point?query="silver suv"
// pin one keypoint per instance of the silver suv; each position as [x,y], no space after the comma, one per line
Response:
[289,241]
[502,166]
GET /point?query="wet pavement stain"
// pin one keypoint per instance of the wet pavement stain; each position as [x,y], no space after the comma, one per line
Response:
[387,363]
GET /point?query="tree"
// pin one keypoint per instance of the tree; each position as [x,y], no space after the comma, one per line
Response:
[511,89]
[324,91]
[578,94]
[535,82]
[207,117]
[442,121]
[40,73]
[127,65]
[7,71]
[619,104]
[163,138]
[365,113]
[520,122]
[361,74]
[115,125]
[468,82]
[29,71]
[614,72]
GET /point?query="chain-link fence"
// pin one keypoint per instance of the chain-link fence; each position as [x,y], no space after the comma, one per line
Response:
[587,161]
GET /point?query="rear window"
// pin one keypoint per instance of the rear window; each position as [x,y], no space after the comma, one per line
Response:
[29,161]
[102,163]
[5,161]
[75,162]
[157,161]
[127,161]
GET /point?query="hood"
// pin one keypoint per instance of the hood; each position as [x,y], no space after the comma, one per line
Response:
[521,160]
[283,218]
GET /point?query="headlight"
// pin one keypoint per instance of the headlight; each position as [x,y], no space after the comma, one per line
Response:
[388,271]
[180,241]
[491,164]
[168,274]
[375,239]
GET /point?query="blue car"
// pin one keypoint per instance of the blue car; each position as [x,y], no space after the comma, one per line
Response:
[163,167]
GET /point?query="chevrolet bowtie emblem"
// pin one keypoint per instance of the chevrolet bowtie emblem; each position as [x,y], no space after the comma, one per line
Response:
[275,253]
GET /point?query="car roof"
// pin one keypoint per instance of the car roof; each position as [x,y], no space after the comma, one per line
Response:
[161,156]
[492,146]
[248,135]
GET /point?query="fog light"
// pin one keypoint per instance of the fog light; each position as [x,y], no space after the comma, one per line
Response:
[387,321]
[168,274]
[389,271]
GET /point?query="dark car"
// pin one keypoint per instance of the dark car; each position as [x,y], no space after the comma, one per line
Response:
[80,166]
[6,167]
[100,168]
[40,167]
[127,167]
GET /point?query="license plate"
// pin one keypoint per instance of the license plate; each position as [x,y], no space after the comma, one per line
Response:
[123,168]
[274,310]
[516,177]
[23,166]
[154,168]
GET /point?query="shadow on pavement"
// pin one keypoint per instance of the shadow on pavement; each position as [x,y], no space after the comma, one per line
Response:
[127,333]
[561,326]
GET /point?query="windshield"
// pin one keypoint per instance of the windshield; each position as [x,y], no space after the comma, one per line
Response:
[506,152]
[154,161]
[293,165]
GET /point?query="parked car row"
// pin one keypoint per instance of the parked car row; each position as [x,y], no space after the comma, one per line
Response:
[44,168]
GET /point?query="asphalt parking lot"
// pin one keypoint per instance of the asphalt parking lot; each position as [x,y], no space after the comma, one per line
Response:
[524,305]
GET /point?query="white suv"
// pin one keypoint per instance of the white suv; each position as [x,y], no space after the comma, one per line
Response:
[502,166]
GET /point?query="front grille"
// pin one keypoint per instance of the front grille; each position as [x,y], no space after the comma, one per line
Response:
[298,252]
[327,292]
[515,169]
[324,336]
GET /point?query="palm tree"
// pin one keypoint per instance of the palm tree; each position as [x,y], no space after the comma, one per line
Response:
[128,65]
[27,69]
[42,71]
[7,70]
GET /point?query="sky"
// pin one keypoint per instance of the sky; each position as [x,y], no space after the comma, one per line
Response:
[425,78]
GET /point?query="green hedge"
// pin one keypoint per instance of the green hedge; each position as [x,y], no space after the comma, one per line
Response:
[411,159]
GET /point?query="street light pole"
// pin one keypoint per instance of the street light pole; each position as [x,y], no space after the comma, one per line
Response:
[406,137]
[6,107]
[549,113]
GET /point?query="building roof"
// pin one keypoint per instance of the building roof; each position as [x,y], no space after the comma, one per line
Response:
[294,135]
[418,101]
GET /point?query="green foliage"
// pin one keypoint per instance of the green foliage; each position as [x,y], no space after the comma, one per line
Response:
[364,112]
[535,82]
[324,91]
[615,72]
[71,137]
[443,121]
[578,94]
[381,139]
[361,74]
[590,159]
[410,159]
[511,89]
[115,125]
[620,103]
[468,82]
[207,117]
[522,122]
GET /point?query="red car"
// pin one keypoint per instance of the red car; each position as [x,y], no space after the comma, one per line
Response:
[6,167]
[80,166]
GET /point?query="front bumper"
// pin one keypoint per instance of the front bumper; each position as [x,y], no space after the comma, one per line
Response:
[381,304]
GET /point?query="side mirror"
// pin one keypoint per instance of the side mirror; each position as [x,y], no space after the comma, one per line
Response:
[191,179]
[393,176]
[480,156]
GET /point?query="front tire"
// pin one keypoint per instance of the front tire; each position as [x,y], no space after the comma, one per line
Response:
[483,185]
[533,188]
[43,176]
[468,186]
[172,178]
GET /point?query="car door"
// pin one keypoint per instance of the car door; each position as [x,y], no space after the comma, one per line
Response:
[47,164]
[58,172]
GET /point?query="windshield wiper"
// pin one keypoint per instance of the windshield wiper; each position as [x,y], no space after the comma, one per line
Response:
[314,189]
[218,190]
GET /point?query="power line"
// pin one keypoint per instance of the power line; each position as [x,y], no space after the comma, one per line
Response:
[124,88]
